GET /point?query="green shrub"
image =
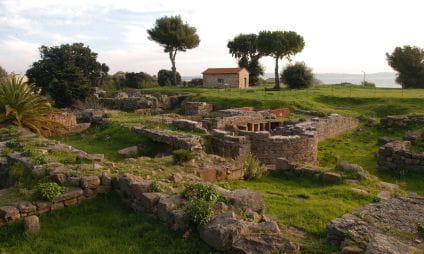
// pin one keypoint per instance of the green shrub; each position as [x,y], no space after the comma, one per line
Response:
[200,191]
[155,186]
[182,155]
[14,144]
[420,229]
[253,168]
[50,191]
[22,105]
[18,172]
[298,76]
[36,155]
[199,211]
[107,115]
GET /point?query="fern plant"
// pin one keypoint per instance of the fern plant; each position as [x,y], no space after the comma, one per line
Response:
[22,105]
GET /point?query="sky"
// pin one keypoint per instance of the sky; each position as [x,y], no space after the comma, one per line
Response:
[341,36]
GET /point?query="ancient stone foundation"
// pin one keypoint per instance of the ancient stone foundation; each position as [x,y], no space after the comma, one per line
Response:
[196,108]
[173,139]
[397,156]
[400,121]
[268,141]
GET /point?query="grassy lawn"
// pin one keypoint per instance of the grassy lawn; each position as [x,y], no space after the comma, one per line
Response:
[347,100]
[103,225]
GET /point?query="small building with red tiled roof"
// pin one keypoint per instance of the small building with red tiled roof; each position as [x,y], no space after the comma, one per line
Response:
[226,77]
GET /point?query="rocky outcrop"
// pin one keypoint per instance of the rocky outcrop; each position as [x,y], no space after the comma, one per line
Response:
[401,120]
[389,227]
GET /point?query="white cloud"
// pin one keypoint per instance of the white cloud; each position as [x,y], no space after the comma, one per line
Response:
[17,55]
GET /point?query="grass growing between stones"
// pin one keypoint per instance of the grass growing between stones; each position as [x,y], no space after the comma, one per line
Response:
[103,225]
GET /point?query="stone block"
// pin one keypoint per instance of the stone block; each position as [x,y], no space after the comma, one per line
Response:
[57,205]
[70,194]
[42,206]
[331,177]
[9,213]
[165,207]
[150,199]
[90,182]
[31,224]
[207,174]
[27,207]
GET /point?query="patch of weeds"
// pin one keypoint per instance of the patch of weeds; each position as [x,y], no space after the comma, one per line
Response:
[155,186]
[199,211]
[376,199]
[50,190]
[64,157]
[18,172]
[181,155]
[245,216]
[107,115]
[420,229]
[253,168]
[14,144]
[200,191]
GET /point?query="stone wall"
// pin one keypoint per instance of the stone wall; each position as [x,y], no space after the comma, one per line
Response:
[152,101]
[197,108]
[69,122]
[325,127]
[189,125]
[396,156]
[173,139]
[252,121]
[226,232]
[400,121]
[89,187]
[265,147]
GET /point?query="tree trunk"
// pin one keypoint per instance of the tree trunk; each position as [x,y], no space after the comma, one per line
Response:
[277,76]
[174,68]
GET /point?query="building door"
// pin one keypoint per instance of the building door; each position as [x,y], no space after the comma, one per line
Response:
[245,82]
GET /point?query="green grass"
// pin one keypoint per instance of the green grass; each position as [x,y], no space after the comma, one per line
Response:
[346,100]
[324,203]
[103,225]
[108,139]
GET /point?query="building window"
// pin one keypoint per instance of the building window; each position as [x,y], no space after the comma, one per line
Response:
[220,80]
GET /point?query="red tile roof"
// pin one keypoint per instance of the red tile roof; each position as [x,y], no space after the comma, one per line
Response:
[212,71]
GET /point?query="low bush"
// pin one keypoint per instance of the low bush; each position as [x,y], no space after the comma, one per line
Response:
[23,106]
[14,144]
[18,172]
[155,186]
[199,211]
[368,84]
[182,155]
[253,168]
[420,229]
[298,76]
[200,191]
[50,191]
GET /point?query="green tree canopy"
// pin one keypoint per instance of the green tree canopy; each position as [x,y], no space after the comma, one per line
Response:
[408,61]
[279,44]
[67,73]
[137,80]
[297,76]
[174,35]
[3,72]
[244,47]
[165,77]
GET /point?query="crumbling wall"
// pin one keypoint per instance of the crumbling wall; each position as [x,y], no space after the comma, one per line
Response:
[400,121]
[176,140]
[396,156]
[296,148]
[325,127]
[252,122]
[197,108]
[265,147]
